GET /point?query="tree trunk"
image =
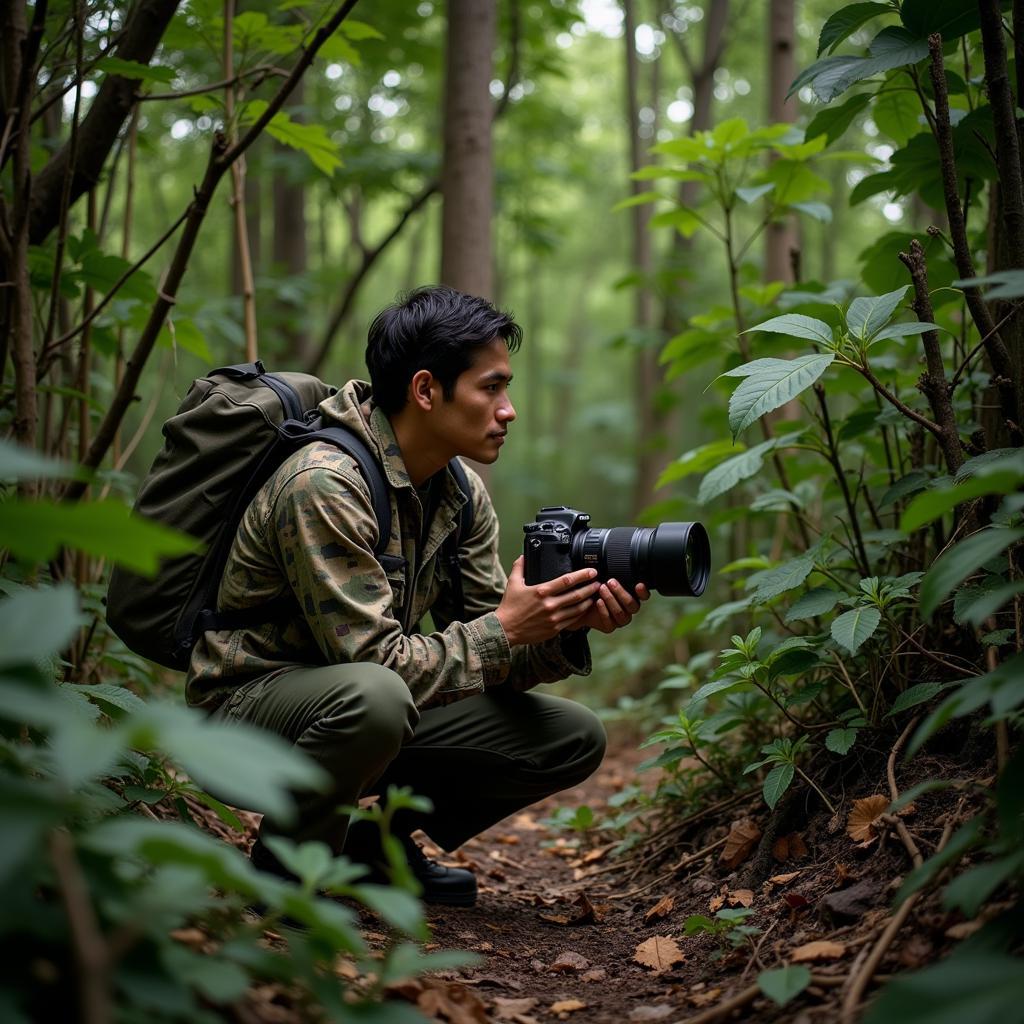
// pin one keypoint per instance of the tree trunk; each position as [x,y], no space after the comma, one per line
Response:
[781,241]
[289,249]
[467,172]
[646,375]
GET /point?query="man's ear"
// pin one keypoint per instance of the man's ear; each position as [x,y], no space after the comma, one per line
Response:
[421,389]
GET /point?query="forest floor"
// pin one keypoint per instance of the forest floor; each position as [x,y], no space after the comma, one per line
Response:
[564,932]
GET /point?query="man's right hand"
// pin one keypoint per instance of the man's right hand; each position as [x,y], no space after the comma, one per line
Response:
[530,615]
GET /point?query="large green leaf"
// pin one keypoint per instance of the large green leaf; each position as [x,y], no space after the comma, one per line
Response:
[776,782]
[950,18]
[727,475]
[785,983]
[897,113]
[852,628]
[979,606]
[844,22]
[698,460]
[796,325]
[933,504]
[832,121]
[784,577]
[1009,284]
[20,463]
[815,602]
[37,624]
[109,529]
[980,986]
[869,314]
[311,139]
[963,559]
[134,70]
[772,386]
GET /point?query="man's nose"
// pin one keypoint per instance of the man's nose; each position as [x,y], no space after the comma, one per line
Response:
[506,412]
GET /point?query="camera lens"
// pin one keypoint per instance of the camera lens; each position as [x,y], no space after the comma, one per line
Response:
[673,558]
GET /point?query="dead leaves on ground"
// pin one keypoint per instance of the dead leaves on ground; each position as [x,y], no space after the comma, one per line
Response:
[659,953]
[861,825]
[660,909]
[740,843]
[582,912]
[821,949]
[791,847]
[441,999]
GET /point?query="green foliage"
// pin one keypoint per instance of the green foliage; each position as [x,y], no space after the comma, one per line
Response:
[786,983]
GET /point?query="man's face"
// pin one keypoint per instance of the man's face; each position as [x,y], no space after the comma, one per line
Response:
[474,422]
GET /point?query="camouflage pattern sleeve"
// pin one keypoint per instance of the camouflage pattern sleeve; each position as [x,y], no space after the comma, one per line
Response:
[324,532]
[484,581]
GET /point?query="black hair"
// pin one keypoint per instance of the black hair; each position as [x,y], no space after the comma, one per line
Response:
[434,328]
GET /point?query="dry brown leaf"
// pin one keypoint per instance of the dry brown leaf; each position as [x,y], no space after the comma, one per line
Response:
[740,843]
[509,840]
[660,909]
[193,937]
[456,1002]
[568,962]
[528,823]
[784,879]
[509,1009]
[716,903]
[740,898]
[659,953]
[705,998]
[568,1006]
[594,974]
[860,824]
[822,949]
[964,929]
[593,856]
[843,873]
[791,847]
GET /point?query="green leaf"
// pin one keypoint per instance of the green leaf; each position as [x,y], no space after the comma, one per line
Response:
[833,121]
[109,694]
[1009,284]
[359,30]
[979,606]
[895,47]
[897,113]
[109,529]
[776,782]
[868,315]
[311,139]
[839,741]
[683,220]
[785,983]
[932,505]
[725,476]
[796,325]
[905,330]
[698,460]
[716,686]
[185,335]
[960,561]
[815,602]
[638,200]
[980,986]
[906,485]
[755,192]
[134,70]
[400,909]
[974,887]
[785,577]
[773,386]
[19,463]
[36,624]
[852,628]
[950,18]
[819,211]
[844,22]
[920,693]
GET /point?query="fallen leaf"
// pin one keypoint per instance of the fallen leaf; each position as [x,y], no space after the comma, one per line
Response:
[659,953]
[508,1009]
[740,843]
[795,901]
[740,898]
[528,823]
[843,873]
[594,974]
[455,1001]
[784,879]
[791,847]
[568,962]
[716,903]
[660,909]
[705,998]
[593,856]
[583,912]
[193,937]
[860,824]
[568,1006]
[822,949]
[649,1013]
[963,930]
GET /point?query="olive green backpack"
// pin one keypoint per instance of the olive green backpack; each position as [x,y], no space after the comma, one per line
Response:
[235,426]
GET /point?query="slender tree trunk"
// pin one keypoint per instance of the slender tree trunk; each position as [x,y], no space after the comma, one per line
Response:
[290,253]
[467,172]
[781,237]
[646,375]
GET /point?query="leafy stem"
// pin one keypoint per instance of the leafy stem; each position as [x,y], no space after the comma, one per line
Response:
[817,789]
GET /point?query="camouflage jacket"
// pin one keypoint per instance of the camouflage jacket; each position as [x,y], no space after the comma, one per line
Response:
[310,531]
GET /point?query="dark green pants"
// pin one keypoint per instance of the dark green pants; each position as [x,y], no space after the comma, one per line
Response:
[478,760]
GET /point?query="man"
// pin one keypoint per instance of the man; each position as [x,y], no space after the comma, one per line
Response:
[349,678]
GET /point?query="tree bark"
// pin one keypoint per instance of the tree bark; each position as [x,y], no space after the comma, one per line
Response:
[289,244]
[781,239]
[645,367]
[467,170]
[102,125]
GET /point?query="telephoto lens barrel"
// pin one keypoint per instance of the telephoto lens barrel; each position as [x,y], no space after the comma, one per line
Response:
[674,558]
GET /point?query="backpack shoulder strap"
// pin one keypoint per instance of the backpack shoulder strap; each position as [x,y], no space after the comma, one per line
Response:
[466,512]
[451,546]
[369,466]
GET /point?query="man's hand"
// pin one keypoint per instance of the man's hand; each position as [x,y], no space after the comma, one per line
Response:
[614,607]
[532,614]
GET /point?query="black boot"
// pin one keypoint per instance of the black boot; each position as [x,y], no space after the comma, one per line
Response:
[452,887]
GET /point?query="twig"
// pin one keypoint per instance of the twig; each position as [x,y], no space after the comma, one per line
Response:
[91,952]
[263,70]
[678,866]
[977,348]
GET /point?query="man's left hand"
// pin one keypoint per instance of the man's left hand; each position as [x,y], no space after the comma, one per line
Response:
[613,607]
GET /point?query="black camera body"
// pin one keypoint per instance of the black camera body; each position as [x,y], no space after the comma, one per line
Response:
[673,558]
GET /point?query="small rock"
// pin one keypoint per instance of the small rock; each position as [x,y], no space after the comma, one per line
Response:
[853,903]
[703,884]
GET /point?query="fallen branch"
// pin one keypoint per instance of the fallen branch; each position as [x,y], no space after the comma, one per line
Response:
[684,863]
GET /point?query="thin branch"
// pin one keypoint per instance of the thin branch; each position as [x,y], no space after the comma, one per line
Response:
[981,344]
[264,71]
[865,372]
